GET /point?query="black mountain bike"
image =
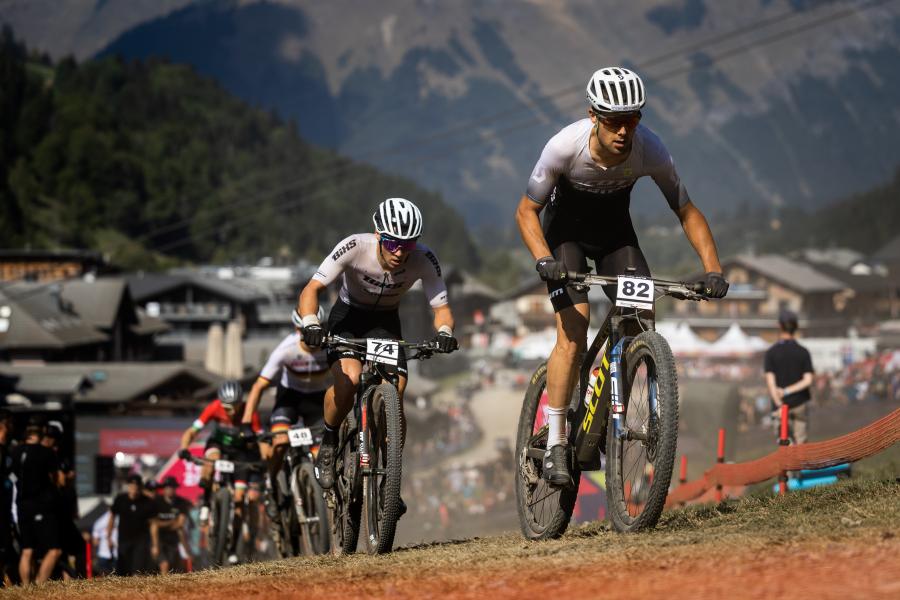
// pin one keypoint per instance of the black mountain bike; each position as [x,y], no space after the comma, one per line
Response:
[368,461]
[626,407]
[221,511]
[301,525]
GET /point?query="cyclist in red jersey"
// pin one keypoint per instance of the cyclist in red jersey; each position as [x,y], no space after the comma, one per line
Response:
[228,439]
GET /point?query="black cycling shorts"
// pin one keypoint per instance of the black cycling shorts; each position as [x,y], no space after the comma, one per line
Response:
[351,322]
[292,405]
[607,261]
[168,552]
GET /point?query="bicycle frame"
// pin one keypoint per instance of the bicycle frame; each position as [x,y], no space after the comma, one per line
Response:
[590,419]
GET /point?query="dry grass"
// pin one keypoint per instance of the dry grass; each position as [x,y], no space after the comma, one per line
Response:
[854,513]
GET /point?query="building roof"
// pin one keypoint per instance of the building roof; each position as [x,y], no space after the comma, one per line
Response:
[790,273]
[889,253]
[147,286]
[872,283]
[97,301]
[111,382]
[37,316]
[148,325]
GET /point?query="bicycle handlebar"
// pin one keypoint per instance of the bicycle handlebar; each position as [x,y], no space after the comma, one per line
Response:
[677,289]
[425,349]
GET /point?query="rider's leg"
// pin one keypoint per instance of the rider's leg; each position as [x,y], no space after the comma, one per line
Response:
[240,488]
[206,473]
[338,403]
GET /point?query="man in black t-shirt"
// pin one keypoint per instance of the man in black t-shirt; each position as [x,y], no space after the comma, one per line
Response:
[167,529]
[789,375]
[135,511]
[38,480]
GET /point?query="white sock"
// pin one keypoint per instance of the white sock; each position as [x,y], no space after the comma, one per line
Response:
[556,418]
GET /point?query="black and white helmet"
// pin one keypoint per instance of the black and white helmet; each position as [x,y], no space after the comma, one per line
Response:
[615,90]
[398,218]
[230,393]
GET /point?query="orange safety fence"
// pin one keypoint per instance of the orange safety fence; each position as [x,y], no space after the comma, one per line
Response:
[869,440]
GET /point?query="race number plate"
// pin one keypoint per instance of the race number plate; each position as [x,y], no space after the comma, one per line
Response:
[383,351]
[224,466]
[635,292]
[300,437]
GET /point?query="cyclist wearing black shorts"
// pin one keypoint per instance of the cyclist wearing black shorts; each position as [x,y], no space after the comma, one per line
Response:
[302,377]
[232,440]
[376,269]
[583,179]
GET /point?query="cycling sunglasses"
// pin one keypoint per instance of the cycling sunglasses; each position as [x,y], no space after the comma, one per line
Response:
[615,123]
[392,245]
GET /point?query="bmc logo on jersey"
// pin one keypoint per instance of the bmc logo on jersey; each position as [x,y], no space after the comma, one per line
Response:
[434,261]
[343,249]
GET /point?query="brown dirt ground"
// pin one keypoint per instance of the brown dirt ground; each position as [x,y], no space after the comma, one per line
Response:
[841,542]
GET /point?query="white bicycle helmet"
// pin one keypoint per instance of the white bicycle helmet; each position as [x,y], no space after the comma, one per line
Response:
[615,90]
[398,218]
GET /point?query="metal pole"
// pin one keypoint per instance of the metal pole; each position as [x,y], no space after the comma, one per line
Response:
[720,458]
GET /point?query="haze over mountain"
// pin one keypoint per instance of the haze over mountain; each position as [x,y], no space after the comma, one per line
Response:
[797,108]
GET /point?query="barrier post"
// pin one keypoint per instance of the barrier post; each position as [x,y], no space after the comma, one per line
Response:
[88,560]
[783,440]
[720,458]
[682,475]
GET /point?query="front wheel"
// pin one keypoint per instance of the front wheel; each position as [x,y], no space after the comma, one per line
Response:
[220,525]
[639,461]
[314,517]
[381,480]
[544,511]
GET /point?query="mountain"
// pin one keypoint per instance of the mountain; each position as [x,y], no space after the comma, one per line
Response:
[775,102]
[152,162]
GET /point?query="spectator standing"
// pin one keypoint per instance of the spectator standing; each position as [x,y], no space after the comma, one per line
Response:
[8,558]
[134,511]
[789,375]
[38,480]
[167,529]
[105,558]
[67,507]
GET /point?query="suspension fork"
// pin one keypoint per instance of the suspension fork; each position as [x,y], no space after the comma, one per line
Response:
[617,405]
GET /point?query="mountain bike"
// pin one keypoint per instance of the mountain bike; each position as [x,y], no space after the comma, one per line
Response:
[221,511]
[296,500]
[368,461]
[625,408]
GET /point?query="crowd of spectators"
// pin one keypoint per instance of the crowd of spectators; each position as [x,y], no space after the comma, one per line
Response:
[39,539]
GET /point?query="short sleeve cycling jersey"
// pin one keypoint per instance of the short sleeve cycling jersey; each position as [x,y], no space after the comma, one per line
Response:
[226,429]
[367,285]
[567,156]
[300,370]
[589,203]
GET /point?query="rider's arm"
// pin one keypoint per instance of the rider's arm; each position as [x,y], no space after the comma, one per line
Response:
[154,534]
[253,398]
[800,385]
[774,392]
[529,222]
[309,298]
[443,317]
[188,436]
[698,233]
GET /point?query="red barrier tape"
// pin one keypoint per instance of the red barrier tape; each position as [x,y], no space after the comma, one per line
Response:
[869,440]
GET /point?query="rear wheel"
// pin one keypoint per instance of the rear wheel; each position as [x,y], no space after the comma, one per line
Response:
[544,511]
[639,463]
[381,484]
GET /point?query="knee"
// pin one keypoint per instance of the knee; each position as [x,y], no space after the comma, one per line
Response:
[569,348]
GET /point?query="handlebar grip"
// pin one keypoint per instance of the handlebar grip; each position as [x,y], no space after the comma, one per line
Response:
[575,276]
[697,287]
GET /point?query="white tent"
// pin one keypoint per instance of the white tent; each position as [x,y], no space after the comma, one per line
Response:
[735,341]
[682,338]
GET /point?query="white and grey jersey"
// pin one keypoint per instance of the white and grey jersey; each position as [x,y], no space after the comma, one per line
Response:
[566,162]
[300,370]
[367,285]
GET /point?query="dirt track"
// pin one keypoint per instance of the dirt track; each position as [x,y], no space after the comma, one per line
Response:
[842,542]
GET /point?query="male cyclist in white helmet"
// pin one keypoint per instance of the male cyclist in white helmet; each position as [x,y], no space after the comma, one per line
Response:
[583,179]
[376,270]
